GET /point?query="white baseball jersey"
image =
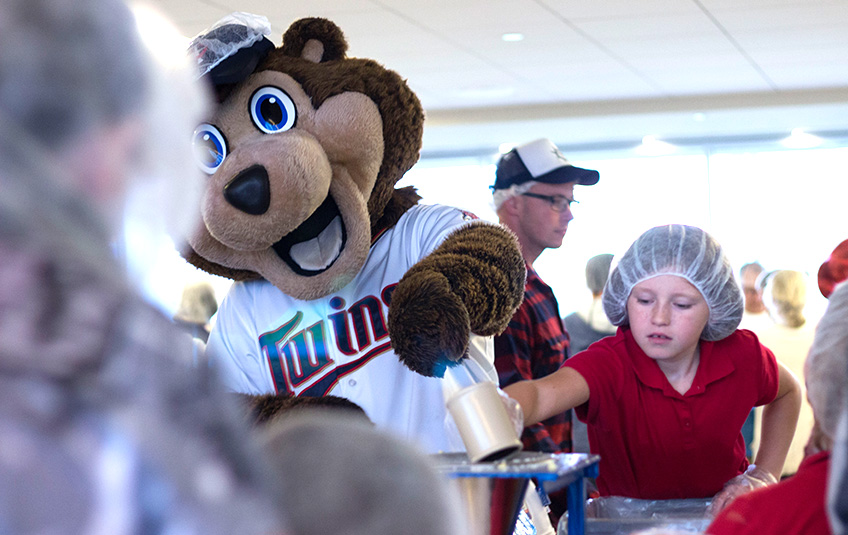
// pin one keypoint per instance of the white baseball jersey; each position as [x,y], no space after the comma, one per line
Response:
[267,342]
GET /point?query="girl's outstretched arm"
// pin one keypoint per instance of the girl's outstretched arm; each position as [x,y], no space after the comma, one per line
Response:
[556,393]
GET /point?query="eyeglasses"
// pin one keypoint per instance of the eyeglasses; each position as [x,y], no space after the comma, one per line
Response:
[559,203]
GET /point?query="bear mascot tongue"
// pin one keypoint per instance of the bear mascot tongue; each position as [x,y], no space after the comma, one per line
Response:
[336,269]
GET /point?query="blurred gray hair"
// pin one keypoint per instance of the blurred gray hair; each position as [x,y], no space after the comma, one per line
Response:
[826,368]
[500,196]
[346,477]
[70,70]
[597,272]
[60,73]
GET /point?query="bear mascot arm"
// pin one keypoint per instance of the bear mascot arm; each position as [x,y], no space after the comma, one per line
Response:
[303,152]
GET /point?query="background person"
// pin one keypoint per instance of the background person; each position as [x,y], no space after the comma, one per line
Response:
[533,192]
[197,306]
[755,317]
[797,504]
[588,325]
[789,337]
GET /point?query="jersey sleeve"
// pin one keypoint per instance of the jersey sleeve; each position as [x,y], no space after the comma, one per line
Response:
[428,226]
[233,347]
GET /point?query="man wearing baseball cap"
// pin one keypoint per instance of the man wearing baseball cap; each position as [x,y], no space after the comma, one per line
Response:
[533,192]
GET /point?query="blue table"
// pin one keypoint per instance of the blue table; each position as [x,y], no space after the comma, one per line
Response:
[552,472]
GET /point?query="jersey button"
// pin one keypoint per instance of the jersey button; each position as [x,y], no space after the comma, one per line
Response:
[351,382]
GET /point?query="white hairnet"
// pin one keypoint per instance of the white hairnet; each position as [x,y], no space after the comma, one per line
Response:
[687,252]
[826,368]
[226,37]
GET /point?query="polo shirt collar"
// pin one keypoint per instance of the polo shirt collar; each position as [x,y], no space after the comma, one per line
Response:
[712,366]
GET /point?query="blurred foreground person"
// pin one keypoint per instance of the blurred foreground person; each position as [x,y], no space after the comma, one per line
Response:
[790,337]
[797,504]
[104,427]
[341,475]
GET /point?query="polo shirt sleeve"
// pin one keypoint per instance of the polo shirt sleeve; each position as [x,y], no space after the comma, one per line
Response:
[766,370]
[601,367]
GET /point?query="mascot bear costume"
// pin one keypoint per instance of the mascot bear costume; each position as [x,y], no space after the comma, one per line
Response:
[345,286]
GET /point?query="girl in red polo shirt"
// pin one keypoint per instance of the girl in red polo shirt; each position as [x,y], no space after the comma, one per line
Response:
[664,399]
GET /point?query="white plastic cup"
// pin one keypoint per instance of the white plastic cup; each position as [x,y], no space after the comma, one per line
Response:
[483,422]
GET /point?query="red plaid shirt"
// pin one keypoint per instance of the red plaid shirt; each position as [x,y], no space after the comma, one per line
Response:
[534,345]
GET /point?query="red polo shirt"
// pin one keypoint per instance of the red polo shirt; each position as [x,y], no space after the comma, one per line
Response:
[796,505]
[656,443]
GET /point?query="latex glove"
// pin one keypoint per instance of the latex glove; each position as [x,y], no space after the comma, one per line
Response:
[513,409]
[753,478]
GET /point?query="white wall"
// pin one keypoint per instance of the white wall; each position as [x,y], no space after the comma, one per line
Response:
[786,209]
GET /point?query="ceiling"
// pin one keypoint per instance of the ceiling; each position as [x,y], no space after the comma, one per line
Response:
[590,73]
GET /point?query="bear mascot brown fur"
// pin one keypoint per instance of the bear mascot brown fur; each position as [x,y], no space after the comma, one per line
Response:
[345,285]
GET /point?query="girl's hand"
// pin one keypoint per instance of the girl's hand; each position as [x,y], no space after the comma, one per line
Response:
[753,478]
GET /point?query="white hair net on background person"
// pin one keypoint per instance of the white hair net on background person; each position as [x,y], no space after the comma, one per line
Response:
[687,252]
[344,476]
[104,428]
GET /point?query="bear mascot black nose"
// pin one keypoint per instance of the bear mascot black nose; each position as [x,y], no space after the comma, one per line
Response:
[250,191]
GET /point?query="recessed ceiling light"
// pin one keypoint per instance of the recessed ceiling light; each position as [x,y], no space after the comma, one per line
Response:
[799,139]
[651,146]
[699,117]
[512,37]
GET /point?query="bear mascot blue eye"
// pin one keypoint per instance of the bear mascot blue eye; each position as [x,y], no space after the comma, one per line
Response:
[272,110]
[210,148]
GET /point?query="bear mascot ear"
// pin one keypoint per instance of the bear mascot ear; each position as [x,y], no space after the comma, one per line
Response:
[316,40]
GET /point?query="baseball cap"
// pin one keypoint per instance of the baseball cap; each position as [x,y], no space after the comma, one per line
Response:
[539,160]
